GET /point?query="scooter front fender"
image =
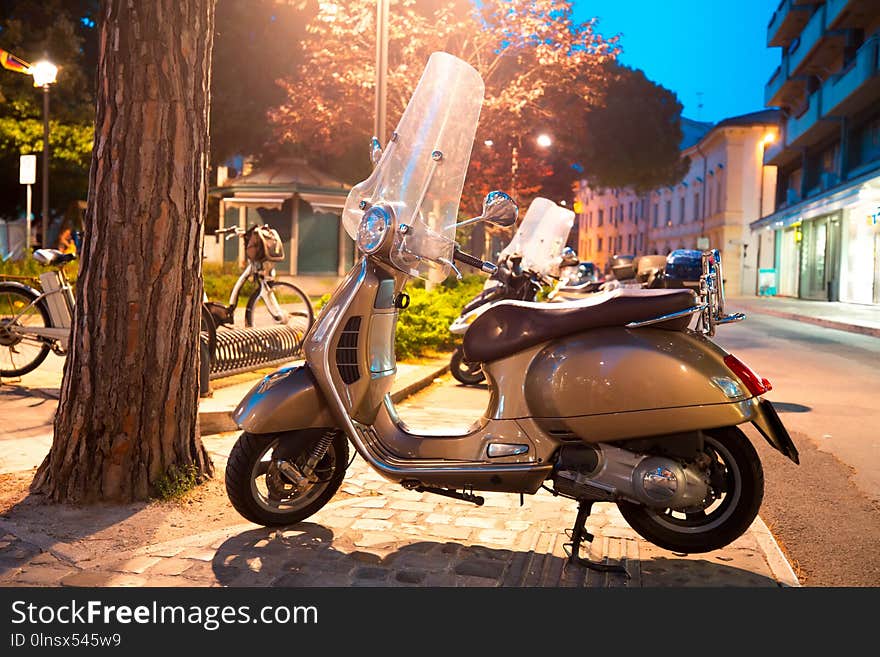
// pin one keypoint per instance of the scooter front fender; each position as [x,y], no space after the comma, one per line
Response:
[286,400]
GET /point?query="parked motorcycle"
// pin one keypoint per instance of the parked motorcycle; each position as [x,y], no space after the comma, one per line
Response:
[610,398]
[534,256]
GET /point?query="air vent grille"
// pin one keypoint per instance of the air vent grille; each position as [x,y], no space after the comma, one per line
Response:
[347,351]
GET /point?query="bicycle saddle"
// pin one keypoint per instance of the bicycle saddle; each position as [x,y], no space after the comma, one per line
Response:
[49,257]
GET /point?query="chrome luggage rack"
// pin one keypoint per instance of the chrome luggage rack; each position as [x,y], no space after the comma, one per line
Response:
[711,306]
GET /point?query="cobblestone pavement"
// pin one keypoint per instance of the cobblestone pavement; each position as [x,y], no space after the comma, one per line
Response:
[382,535]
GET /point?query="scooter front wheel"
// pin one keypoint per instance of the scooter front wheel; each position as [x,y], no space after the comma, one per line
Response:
[262,494]
[738,480]
[468,374]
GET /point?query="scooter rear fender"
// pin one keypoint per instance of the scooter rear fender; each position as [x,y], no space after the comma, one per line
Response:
[286,400]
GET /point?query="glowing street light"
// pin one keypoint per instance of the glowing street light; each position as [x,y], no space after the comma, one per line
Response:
[544,141]
[45,73]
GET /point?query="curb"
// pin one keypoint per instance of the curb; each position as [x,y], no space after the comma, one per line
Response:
[211,422]
[779,565]
[818,321]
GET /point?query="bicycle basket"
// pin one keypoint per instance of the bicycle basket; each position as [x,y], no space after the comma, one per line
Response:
[264,244]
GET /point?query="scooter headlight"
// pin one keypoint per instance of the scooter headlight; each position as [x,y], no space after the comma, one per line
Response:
[374,228]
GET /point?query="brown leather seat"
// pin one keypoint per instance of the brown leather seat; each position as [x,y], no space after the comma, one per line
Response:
[511,326]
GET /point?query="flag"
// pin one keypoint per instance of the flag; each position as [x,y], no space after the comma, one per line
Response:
[13,63]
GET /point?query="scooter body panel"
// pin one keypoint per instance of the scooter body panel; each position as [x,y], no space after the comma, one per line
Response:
[286,400]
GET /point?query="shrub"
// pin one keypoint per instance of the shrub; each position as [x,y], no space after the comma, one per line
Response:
[176,482]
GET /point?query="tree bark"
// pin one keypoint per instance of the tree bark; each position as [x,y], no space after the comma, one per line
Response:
[129,399]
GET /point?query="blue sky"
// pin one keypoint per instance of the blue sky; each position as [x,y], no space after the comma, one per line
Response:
[717,47]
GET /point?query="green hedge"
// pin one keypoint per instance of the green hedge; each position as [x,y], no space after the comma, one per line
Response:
[423,327]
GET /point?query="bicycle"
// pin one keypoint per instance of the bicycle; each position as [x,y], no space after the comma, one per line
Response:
[34,321]
[282,302]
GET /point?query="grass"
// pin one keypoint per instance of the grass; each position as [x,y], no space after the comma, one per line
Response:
[177,482]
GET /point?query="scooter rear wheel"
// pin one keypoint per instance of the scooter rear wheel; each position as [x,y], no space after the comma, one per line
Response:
[465,373]
[261,494]
[741,476]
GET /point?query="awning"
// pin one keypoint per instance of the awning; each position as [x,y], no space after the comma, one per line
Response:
[843,197]
[272,201]
[324,202]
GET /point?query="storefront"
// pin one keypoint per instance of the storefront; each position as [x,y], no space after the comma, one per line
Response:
[828,248]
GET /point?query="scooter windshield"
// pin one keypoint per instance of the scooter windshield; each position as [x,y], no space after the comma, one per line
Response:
[541,237]
[421,173]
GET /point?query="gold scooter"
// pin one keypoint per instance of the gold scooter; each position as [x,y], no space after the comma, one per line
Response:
[609,398]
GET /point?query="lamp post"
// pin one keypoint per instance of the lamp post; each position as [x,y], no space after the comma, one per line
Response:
[381,69]
[768,138]
[44,74]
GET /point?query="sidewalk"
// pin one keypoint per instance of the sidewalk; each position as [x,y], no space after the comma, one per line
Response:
[374,533]
[855,318]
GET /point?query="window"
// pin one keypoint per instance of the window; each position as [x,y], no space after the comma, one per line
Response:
[620,213]
[619,242]
[696,206]
[630,210]
[599,245]
[868,141]
[681,204]
[718,196]
[669,212]
[641,241]
[656,213]
[709,200]
[600,220]
[629,243]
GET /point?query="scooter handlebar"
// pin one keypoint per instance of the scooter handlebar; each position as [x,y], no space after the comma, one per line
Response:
[474,261]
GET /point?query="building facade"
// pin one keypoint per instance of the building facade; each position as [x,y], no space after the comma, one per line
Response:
[822,238]
[711,207]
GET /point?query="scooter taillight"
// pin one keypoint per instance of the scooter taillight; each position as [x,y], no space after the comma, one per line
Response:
[757,385]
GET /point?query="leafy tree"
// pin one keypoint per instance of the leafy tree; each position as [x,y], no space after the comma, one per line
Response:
[256,42]
[531,53]
[633,138]
[62,31]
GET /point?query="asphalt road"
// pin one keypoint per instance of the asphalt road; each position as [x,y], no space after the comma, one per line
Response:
[825,512]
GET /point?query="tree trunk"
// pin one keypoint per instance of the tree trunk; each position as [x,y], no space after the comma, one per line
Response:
[129,400]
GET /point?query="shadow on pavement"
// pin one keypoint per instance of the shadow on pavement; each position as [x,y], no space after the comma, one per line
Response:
[304,555]
[788,407]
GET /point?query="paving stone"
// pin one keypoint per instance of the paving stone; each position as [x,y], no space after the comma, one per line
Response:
[44,558]
[367,524]
[42,575]
[172,566]
[407,517]
[438,519]
[407,505]
[171,551]
[369,539]
[200,570]
[136,565]
[517,525]
[87,578]
[481,523]
[377,514]
[444,531]
[480,568]
[372,503]
[200,554]
[496,536]
[410,576]
[372,573]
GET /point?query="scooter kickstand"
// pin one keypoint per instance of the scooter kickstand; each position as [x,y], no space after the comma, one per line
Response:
[578,534]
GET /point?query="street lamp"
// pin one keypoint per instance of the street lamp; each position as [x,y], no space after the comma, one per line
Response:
[44,74]
[544,141]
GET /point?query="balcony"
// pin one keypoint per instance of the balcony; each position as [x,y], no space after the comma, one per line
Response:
[785,23]
[834,10]
[797,126]
[807,41]
[850,90]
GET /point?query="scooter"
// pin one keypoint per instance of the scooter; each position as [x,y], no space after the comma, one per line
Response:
[610,398]
[534,256]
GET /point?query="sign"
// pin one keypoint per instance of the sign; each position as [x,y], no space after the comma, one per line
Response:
[703,243]
[27,173]
[766,282]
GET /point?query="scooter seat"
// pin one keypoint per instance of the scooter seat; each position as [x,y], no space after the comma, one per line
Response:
[511,326]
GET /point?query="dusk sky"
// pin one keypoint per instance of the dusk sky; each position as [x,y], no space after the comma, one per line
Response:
[717,47]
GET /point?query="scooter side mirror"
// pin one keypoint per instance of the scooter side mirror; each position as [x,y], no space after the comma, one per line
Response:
[499,209]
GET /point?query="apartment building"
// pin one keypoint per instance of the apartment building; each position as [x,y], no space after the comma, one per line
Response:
[821,240]
[711,207]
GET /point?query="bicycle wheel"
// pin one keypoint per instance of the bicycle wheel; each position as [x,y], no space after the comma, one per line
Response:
[20,354]
[279,303]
